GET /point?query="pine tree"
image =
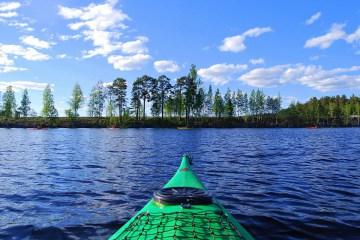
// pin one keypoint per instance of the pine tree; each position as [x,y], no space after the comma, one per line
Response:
[239,102]
[136,98]
[199,102]
[218,106]
[191,84]
[209,102]
[25,104]
[48,109]
[118,89]
[228,105]
[96,100]
[9,102]
[163,91]
[76,101]
[179,98]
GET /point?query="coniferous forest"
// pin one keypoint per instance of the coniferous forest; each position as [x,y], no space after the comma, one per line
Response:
[159,102]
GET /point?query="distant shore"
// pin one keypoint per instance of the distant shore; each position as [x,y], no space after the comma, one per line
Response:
[129,122]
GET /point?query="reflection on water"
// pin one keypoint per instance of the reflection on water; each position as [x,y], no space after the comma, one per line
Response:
[85,183]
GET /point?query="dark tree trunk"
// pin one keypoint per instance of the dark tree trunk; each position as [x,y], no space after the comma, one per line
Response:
[144,108]
[120,112]
[162,106]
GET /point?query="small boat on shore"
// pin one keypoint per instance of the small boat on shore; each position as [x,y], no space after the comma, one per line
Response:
[184,128]
[182,209]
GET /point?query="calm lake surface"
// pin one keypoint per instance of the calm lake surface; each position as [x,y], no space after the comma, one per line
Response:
[86,183]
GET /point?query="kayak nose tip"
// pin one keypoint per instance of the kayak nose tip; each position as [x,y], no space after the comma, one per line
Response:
[187,158]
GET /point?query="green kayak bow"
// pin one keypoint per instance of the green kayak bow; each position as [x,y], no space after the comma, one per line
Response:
[182,209]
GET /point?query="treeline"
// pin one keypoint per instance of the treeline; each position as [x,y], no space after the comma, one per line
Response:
[185,100]
[324,112]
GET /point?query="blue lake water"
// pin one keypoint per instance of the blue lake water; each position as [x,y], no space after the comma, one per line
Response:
[86,183]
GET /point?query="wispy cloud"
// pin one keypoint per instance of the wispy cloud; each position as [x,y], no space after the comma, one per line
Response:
[237,43]
[21,85]
[7,69]
[29,53]
[335,33]
[69,37]
[220,74]
[354,37]
[256,61]
[313,18]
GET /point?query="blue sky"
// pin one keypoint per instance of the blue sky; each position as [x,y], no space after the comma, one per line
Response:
[299,48]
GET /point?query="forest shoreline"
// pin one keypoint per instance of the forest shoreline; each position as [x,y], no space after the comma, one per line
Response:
[109,122]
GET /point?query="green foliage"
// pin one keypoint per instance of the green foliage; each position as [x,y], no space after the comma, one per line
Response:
[179,95]
[24,108]
[9,103]
[199,102]
[118,89]
[144,88]
[76,101]
[48,110]
[228,104]
[161,91]
[96,100]
[218,106]
[326,112]
[209,102]
[191,84]
[136,98]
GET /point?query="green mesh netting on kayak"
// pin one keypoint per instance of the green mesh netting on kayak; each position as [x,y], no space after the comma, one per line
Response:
[181,225]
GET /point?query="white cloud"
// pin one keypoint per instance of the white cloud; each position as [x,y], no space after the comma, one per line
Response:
[62,56]
[136,46]
[69,37]
[8,10]
[128,63]
[354,37]
[257,61]
[336,33]
[220,74]
[35,42]
[313,18]
[102,24]
[237,43]
[8,14]
[314,58]
[21,85]
[4,59]
[309,75]
[28,53]
[9,6]
[166,66]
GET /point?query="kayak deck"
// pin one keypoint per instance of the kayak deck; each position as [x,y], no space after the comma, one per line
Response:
[182,225]
[182,221]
